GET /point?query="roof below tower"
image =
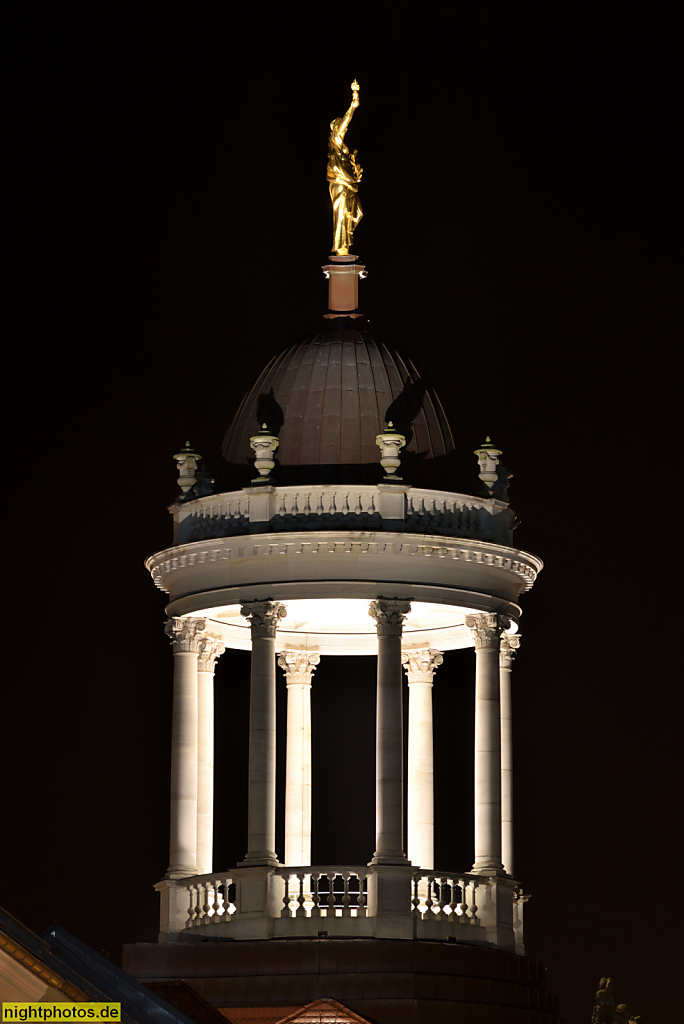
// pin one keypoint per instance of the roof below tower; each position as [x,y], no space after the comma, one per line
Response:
[327,397]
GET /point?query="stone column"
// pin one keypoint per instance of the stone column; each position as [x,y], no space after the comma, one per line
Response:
[509,645]
[298,667]
[487,629]
[389,740]
[185,634]
[263,618]
[420,667]
[209,649]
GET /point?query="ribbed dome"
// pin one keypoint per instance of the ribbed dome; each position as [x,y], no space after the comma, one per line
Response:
[327,397]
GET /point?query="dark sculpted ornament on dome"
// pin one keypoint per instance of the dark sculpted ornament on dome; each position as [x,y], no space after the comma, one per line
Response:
[344,175]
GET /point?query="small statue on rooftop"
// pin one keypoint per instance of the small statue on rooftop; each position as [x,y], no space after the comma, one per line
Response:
[344,175]
[605,1010]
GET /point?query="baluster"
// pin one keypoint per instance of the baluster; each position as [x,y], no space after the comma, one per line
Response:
[346,898]
[191,906]
[416,898]
[464,919]
[429,901]
[452,902]
[333,507]
[221,899]
[345,505]
[358,508]
[361,912]
[301,909]
[199,905]
[331,895]
[315,898]
[307,506]
[354,894]
[231,902]
[319,507]
[371,506]
[295,508]
[472,911]
[282,510]
[439,898]
[285,912]
[208,907]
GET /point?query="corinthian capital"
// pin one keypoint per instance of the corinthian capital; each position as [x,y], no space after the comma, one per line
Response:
[208,650]
[420,666]
[389,616]
[298,666]
[487,629]
[263,616]
[509,645]
[185,634]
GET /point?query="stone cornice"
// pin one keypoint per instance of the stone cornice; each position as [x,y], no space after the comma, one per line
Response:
[414,548]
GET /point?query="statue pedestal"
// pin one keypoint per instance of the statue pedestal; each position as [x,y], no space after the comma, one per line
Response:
[343,275]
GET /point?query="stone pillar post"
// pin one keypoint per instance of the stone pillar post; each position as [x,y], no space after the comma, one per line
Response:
[209,649]
[389,740]
[185,634]
[487,629]
[298,667]
[509,645]
[263,618]
[420,831]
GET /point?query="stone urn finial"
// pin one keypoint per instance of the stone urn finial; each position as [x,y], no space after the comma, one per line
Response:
[390,444]
[488,458]
[188,461]
[264,445]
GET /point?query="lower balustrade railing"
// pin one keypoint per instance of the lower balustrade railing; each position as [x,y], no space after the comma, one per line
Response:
[437,902]
[324,892]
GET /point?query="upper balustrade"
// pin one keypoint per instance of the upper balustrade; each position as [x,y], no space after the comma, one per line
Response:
[385,506]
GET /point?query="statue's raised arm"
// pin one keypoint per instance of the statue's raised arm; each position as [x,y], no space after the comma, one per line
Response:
[344,175]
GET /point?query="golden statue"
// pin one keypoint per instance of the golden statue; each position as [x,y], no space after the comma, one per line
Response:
[344,175]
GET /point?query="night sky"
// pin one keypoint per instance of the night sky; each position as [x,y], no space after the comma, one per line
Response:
[168,218]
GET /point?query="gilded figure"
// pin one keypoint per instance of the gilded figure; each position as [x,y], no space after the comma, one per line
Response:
[344,175]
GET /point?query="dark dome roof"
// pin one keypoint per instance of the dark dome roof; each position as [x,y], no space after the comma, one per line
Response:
[327,397]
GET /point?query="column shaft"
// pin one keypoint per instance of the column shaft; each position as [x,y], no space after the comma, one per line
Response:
[263,616]
[298,667]
[205,771]
[389,743]
[509,645]
[487,629]
[183,845]
[420,827]
[420,797]
[185,634]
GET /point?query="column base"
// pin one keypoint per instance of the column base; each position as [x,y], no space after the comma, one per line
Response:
[181,872]
[400,859]
[260,859]
[488,869]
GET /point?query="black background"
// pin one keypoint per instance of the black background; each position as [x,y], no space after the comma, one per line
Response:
[167,221]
